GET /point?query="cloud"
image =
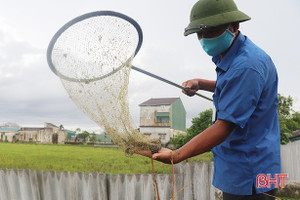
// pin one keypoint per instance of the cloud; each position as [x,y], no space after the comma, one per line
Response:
[31,93]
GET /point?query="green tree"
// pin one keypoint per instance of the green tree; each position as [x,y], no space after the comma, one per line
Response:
[61,127]
[78,130]
[199,124]
[289,120]
[83,135]
[285,105]
[296,121]
[92,137]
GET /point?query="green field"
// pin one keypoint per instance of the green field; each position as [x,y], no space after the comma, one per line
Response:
[82,158]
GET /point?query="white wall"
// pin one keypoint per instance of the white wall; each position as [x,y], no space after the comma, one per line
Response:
[148,124]
[157,132]
[148,114]
[52,185]
[290,160]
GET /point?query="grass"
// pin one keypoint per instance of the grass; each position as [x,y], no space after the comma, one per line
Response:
[82,158]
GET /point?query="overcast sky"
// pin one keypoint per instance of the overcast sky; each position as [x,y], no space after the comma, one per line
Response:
[30,94]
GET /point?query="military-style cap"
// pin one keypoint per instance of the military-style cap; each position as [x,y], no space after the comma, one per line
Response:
[212,13]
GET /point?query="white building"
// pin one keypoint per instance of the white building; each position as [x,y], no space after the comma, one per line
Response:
[162,118]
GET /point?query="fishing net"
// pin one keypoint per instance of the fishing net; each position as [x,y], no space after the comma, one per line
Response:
[92,56]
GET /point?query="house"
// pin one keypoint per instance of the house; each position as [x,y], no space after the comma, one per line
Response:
[49,134]
[162,118]
[104,138]
[8,134]
[295,136]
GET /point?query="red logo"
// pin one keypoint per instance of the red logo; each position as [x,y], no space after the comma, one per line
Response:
[265,181]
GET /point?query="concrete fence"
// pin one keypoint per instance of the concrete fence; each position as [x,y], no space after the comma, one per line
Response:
[195,178]
[26,184]
[290,160]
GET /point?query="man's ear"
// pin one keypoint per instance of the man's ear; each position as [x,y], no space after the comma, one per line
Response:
[234,27]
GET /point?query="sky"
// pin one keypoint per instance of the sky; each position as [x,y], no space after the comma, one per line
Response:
[30,94]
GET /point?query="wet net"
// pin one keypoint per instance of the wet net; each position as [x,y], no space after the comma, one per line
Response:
[92,56]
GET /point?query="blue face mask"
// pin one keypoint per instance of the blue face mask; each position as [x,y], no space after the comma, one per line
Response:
[217,45]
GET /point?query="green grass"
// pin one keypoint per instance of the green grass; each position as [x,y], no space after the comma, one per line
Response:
[82,158]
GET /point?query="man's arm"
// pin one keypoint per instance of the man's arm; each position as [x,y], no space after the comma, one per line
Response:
[198,84]
[203,142]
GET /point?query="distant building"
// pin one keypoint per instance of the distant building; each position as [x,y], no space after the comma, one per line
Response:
[49,134]
[162,118]
[103,138]
[8,134]
[295,136]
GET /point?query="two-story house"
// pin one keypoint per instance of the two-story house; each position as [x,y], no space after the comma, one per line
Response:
[162,118]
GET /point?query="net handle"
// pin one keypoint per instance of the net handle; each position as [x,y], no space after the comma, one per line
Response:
[81,18]
[169,82]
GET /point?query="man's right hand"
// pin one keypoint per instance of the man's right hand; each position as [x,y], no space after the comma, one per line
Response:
[191,87]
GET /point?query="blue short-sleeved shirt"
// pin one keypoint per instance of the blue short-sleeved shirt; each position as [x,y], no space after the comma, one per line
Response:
[246,94]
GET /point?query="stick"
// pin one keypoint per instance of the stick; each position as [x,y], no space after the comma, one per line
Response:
[167,81]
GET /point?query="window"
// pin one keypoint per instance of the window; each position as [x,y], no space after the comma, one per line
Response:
[162,136]
[162,117]
[147,134]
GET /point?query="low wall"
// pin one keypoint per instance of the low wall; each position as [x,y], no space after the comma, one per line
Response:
[290,160]
[51,185]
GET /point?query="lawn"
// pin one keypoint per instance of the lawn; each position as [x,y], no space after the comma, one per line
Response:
[82,158]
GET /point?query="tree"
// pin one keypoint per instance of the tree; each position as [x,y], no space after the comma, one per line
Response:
[78,130]
[289,120]
[199,124]
[83,135]
[285,105]
[92,137]
[61,127]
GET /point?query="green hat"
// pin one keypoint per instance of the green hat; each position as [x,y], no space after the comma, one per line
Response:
[211,13]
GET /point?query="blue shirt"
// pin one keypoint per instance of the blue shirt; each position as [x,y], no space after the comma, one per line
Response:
[246,95]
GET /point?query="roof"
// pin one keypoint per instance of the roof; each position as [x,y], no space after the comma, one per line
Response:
[9,129]
[31,129]
[50,125]
[295,134]
[159,101]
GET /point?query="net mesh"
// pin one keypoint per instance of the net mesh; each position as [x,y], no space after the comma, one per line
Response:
[93,60]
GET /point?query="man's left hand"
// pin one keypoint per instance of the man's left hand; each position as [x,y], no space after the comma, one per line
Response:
[165,155]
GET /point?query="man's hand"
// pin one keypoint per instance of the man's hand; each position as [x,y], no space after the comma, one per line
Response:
[191,87]
[166,155]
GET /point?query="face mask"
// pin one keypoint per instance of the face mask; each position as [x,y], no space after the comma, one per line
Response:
[217,45]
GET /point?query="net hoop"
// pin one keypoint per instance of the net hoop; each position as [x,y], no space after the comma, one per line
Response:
[79,19]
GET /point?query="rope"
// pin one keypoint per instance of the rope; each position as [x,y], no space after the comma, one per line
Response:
[154,176]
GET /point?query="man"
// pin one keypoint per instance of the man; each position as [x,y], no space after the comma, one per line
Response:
[245,137]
